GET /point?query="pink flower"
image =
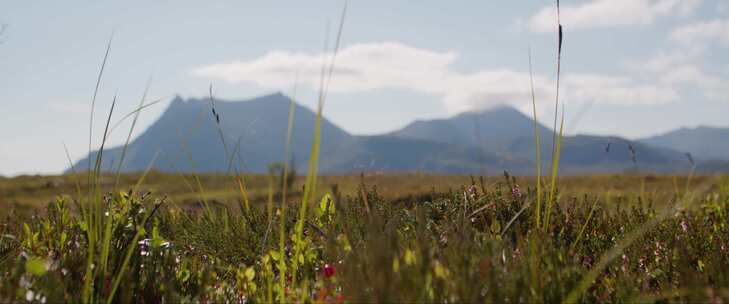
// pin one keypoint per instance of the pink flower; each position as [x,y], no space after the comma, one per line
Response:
[516,191]
[329,271]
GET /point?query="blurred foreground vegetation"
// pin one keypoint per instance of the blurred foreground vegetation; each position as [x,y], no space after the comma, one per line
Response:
[377,238]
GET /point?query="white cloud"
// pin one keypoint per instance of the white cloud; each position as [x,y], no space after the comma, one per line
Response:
[691,75]
[667,59]
[70,107]
[703,33]
[358,67]
[610,13]
[372,66]
[682,66]
[616,90]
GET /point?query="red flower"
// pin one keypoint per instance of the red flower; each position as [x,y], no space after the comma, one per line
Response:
[328,271]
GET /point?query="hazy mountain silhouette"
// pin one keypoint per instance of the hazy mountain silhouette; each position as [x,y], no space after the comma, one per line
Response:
[185,138]
[505,131]
[493,130]
[702,142]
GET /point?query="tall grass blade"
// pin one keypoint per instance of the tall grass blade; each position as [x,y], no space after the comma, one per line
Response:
[93,100]
[584,226]
[310,184]
[140,181]
[125,264]
[131,130]
[100,154]
[284,188]
[216,115]
[134,112]
[556,138]
[77,183]
[551,199]
[537,144]
[559,73]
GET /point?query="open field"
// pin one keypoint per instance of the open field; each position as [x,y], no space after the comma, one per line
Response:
[376,238]
[36,191]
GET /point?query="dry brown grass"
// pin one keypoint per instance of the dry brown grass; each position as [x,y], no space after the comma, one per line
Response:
[35,191]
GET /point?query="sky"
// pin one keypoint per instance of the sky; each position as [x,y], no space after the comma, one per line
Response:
[632,68]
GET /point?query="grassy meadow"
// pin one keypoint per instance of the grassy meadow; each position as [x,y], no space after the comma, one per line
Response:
[366,238]
[32,193]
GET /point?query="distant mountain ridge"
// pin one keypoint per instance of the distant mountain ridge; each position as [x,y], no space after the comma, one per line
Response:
[185,138]
[708,143]
[493,129]
[505,131]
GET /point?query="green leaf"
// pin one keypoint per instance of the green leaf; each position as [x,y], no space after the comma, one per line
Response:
[275,255]
[26,230]
[250,273]
[64,236]
[495,227]
[184,275]
[409,257]
[35,266]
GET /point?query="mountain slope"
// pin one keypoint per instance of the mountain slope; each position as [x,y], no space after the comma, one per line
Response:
[396,154]
[704,143]
[509,133]
[187,138]
[493,130]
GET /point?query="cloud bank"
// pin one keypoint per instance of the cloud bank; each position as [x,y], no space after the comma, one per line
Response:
[610,13]
[393,65]
[702,33]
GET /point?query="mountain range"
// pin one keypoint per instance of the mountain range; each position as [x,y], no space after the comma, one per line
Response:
[186,138]
[706,143]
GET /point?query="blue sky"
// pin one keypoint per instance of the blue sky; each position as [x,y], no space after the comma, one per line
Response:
[631,67]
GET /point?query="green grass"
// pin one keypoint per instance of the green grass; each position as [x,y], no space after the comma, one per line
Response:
[425,249]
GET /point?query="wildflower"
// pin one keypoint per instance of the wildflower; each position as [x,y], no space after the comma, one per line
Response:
[587,261]
[328,271]
[516,254]
[684,226]
[641,264]
[472,192]
[516,192]
[657,251]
